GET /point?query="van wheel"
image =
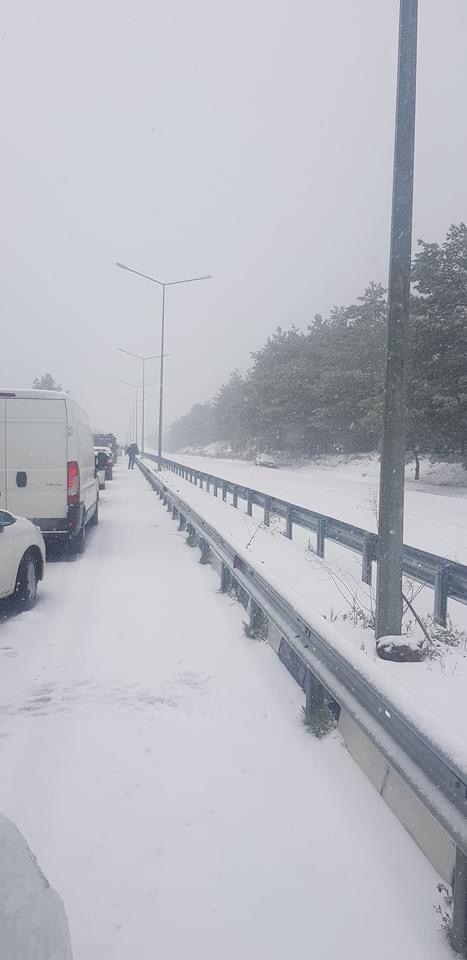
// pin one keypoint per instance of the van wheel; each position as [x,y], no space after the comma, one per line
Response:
[26,583]
[78,542]
[95,517]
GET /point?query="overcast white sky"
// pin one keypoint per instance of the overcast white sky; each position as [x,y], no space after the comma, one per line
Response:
[250,139]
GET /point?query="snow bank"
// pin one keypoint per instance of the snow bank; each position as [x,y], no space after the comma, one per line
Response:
[287,568]
[33,923]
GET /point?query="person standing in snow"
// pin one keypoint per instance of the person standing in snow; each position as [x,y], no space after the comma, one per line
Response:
[133,452]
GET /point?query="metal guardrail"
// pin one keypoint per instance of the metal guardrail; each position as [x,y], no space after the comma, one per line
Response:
[446,578]
[327,676]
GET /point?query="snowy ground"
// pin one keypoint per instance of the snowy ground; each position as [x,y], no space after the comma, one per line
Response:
[435,507]
[327,589]
[154,759]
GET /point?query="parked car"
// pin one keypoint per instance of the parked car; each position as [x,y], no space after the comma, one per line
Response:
[107,440]
[47,467]
[264,460]
[22,559]
[109,460]
[101,460]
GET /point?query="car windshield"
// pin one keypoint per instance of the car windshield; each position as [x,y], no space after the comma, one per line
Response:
[233,480]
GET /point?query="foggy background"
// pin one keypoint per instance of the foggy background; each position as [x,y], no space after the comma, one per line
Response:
[250,139]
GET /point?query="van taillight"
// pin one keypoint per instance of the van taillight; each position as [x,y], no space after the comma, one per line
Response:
[73,482]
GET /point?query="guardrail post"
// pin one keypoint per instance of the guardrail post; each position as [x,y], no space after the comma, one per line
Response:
[267,511]
[441,594]
[192,538]
[201,481]
[181,522]
[289,523]
[368,555]
[235,497]
[318,713]
[224,490]
[226,579]
[314,692]
[459,909]
[205,552]
[195,479]
[258,625]
[320,537]
[215,488]
[208,483]
[249,504]
[174,512]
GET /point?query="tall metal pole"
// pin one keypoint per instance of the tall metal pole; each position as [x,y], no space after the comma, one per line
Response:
[161,386]
[136,416]
[391,490]
[142,413]
[170,283]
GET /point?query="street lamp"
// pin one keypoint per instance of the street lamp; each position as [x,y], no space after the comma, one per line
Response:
[137,387]
[133,420]
[161,283]
[143,360]
[391,490]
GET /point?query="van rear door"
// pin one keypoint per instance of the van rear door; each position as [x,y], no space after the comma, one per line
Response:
[2,455]
[36,459]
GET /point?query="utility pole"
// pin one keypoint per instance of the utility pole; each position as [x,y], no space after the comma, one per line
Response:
[391,490]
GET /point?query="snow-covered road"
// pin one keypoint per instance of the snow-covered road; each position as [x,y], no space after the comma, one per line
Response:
[154,758]
[435,517]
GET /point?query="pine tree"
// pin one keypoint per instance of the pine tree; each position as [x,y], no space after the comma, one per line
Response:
[437,388]
[46,382]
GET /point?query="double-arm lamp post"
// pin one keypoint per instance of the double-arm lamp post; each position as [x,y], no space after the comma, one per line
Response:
[143,361]
[161,283]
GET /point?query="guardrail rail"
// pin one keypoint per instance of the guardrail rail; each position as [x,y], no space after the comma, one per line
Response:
[447,578]
[332,681]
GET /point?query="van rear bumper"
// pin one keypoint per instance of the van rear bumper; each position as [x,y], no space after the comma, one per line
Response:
[51,526]
[61,526]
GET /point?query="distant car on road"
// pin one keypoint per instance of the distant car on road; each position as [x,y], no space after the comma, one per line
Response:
[102,460]
[264,460]
[22,559]
[105,452]
[107,440]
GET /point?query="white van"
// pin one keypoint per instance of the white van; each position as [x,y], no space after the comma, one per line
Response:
[47,466]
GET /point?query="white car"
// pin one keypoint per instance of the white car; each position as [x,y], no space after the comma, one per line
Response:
[264,460]
[22,559]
